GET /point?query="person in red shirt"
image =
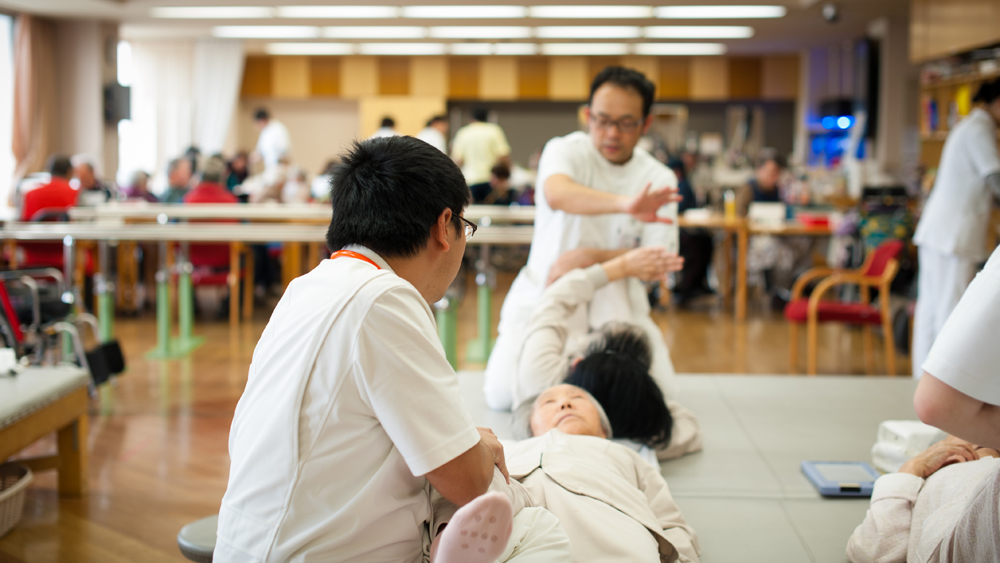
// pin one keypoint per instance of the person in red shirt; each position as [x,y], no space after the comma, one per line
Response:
[55,196]
[211,261]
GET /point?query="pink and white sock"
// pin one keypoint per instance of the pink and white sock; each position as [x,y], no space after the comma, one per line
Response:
[477,533]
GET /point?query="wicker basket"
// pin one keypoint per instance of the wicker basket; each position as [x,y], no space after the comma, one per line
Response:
[14,479]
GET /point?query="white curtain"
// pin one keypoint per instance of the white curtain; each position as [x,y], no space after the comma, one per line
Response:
[183,94]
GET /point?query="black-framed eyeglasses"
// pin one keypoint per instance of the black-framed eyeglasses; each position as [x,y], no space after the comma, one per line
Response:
[624,125]
[470,227]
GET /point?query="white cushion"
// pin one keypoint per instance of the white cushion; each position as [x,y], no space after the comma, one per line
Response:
[33,388]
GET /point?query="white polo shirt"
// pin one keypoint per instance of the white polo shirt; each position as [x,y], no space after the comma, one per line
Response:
[957,214]
[966,354]
[349,402]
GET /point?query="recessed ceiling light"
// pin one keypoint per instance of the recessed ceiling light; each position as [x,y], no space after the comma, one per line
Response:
[468,12]
[590,12]
[375,32]
[402,48]
[480,32]
[309,49]
[337,12]
[266,31]
[587,32]
[516,49]
[584,48]
[680,49]
[719,12]
[699,32]
[212,12]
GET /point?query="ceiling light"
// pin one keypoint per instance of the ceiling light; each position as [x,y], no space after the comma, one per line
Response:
[266,31]
[375,32]
[337,12]
[590,12]
[587,32]
[584,49]
[309,49]
[480,32]
[401,48]
[699,32]
[212,12]
[717,12]
[468,12]
[516,49]
[680,49]
[472,49]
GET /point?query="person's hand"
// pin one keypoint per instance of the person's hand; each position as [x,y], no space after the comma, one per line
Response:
[571,260]
[646,263]
[946,452]
[645,205]
[489,441]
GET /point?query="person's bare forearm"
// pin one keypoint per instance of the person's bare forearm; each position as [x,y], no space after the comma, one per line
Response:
[563,194]
[465,477]
[944,407]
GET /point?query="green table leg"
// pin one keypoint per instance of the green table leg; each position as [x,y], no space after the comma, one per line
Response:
[447,324]
[186,342]
[69,256]
[478,349]
[162,350]
[104,290]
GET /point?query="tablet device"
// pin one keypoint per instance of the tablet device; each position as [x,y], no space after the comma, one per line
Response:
[841,478]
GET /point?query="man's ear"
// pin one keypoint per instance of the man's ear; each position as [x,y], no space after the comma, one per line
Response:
[647,123]
[439,231]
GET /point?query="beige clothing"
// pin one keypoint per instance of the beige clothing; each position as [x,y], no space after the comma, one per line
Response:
[558,333]
[917,520]
[479,146]
[614,506]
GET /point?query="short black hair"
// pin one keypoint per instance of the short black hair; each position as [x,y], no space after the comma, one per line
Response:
[625,78]
[988,92]
[388,122]
[480,114]
[261,114]
[501,171]
[436,119]
[779,160]
[388,192]
[615,370]
[59,165]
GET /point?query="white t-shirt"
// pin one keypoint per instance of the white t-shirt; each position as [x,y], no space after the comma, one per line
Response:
[349,402]
[273,143]
[384,132]
[557,232]
[479,146]
[434,138]
[966,354]
[957,214]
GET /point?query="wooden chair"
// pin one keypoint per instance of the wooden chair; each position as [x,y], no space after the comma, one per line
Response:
[878,271]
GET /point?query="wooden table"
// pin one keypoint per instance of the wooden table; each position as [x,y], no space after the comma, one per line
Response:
[729,227]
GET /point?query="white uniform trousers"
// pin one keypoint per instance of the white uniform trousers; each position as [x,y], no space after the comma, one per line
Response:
[537,537]
[942,280]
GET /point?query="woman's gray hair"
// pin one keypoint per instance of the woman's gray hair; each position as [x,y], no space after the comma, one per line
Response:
[521,416]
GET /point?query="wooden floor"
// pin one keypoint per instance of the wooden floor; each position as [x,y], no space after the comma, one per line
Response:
[158,440]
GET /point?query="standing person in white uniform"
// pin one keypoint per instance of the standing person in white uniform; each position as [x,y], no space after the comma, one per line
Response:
[386,129]
[596,191]
[951,235]
[435,133]
[351,412]
[273,144]
[478,147]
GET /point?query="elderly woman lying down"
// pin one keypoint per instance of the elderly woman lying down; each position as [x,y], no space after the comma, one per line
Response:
[940,506]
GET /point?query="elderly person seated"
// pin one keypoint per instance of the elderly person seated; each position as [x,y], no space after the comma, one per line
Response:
[917,514]
[615,363]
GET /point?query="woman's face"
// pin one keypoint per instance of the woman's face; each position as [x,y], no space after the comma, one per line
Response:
[568,408]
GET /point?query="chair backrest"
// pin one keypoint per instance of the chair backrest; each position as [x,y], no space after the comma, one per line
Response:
[878,260]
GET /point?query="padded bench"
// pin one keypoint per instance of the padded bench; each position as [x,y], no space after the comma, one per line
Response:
[38,401]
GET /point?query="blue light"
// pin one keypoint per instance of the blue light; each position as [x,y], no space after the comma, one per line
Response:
[844,122]
[829,122]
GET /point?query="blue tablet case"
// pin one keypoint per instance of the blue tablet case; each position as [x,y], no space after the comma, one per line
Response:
[841,478]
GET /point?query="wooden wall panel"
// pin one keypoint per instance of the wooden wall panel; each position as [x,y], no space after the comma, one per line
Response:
[649,66]
[256,77]
[429,76]
[463,78]
[946,27]
[324,75]
[498,78]
[410,112]
[744,78]
[394,76]
[780,77]
[597,64]
[569,78]
[533,78]
[358,76]
[709,78]
[290,77]
[675,78]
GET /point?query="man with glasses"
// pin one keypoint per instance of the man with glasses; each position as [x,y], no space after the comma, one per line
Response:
[351,411]
[597,196]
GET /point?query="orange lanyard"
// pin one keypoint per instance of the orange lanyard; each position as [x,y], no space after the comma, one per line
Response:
[352,254]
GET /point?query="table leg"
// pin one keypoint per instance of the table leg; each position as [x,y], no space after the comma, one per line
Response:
[72,448]
[162,350]
[11,249]
[313,259]
[69,271]
[447,324]
[186,341]
[248,282]
[742,236]
[234,284]
[726,279]
[479,349]
[104,291]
